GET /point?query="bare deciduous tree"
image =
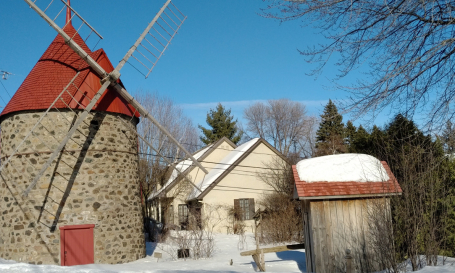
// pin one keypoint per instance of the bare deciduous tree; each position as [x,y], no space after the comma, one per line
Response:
[281,122]
[153,168]
[406,47]
[286,126]
[281,221]
[333,145]
[198,238]
[307,143]
[279,175]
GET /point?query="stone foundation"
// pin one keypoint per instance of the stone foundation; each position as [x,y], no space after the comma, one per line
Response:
[94,182]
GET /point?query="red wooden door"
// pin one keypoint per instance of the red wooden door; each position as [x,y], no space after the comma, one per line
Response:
[76,245]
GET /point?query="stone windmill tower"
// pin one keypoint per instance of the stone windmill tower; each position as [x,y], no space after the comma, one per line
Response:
[69,159]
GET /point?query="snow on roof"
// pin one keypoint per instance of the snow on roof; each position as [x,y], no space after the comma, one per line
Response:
[221,167]
[342,168]
[180,168]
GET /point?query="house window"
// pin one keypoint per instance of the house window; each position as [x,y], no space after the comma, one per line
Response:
[170,215]
[245,208]
[183,213]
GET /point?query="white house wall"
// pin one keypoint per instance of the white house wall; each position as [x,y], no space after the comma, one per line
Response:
[197,174]
[241,182]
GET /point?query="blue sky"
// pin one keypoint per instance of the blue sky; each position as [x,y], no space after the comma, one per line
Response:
[225,52]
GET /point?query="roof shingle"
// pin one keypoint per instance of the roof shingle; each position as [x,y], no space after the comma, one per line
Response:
[55,69]
[321,189]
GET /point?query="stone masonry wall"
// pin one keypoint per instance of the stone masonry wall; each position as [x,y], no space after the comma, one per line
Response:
[94,182]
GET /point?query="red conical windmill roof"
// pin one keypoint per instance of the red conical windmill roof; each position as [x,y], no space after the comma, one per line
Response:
[52,73]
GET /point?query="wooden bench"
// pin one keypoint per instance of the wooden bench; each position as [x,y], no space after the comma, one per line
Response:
[255,253]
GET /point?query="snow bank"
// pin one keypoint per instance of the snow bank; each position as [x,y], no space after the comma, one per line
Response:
[226,248]
[444,264]
[342,168]
[221,167]
[179,168]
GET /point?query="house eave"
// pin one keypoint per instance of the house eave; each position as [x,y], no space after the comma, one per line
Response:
[350,196]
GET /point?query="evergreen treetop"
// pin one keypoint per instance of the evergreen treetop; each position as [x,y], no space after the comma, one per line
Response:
[222,125]
[448,138]
[361,141]
[350,133]
[331,123]
[331,131]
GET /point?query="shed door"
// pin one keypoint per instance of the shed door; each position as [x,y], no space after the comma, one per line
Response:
[76,245]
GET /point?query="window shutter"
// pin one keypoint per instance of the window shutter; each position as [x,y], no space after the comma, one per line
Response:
[181,214]
[252,209]
[170,214]
[236,209]
[185,212]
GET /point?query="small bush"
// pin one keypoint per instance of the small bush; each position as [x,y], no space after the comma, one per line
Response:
[281,220]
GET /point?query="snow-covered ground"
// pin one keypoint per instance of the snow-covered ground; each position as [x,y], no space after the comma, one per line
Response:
[449,266]
[226,249]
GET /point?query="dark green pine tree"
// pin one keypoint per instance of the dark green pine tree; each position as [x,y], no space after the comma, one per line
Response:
[448,138]
[222,125]
[330,134]
[350,135]
[377,143]
[362,142]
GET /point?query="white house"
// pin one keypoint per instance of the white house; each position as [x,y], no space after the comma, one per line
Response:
[229,193]
[171,198]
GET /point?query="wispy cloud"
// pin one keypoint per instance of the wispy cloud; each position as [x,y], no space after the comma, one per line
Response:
[198,111]
[228,104]
[240,104]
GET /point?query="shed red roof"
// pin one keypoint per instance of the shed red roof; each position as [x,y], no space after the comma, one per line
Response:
[325,189]
[55,69]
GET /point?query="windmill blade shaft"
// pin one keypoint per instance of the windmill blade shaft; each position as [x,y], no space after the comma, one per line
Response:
[165,47]
[144,113]
[108,79]
[165,159]
[99,70]
[139,40]
[62,144]
[82,19]
[36,125]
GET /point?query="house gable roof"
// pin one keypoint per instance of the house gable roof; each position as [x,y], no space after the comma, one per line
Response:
[54,71]
[186,166]
[345,189]
[228,164]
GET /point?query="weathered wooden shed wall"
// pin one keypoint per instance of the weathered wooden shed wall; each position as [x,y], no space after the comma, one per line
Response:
[332,226]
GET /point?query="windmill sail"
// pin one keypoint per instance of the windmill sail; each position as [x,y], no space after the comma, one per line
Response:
[156,38]
[64,130]
[50,129]
[69,155]
[108,79]
[53,11]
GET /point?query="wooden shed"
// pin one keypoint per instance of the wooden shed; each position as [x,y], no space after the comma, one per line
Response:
[346,205]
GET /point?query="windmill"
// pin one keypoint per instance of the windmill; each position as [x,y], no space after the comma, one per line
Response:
[69,158]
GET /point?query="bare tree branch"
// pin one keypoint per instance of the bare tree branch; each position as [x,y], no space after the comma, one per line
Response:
[281,122]
[407,47]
